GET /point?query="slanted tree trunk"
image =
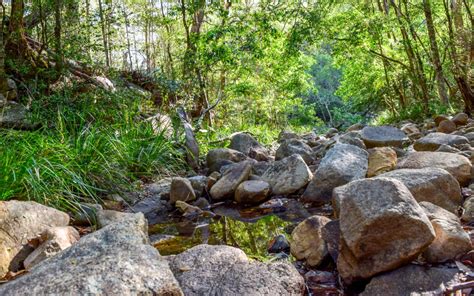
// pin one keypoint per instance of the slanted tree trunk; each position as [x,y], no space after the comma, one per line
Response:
[440,82]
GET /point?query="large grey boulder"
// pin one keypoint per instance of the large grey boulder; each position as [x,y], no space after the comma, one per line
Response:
[295,146]
[382,227]
[342,164]
[14,115]
[115,260]
[451,239]
[217,158]
[225,271]
[457,165]
[430,184]
[413,280]
[21,221]
[288,175]
[380,136]
[433,141]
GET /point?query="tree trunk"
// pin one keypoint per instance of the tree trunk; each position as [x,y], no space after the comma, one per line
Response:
[104,33]
[57,35]
[3,75]
[440,82]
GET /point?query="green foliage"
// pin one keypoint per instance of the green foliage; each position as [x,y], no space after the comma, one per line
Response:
[90,146]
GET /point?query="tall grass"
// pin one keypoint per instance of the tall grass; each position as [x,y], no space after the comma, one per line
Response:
[88,147]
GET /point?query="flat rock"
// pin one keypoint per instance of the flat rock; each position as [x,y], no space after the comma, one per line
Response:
[21,221]
[295,146]
[381,160]
[382,227]
[342,164]
[451,239]
[457,165]
[430,184]
[433,141]
[307,242]
[413,280]
[288,175]
[226,186]
[115,260]
[225,271]
[380,136]
[252,192]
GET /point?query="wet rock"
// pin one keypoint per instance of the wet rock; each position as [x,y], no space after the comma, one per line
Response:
[244,143]
[217,158]
[341,165]
[52,241]
[412,280]
[451,239]
[226,186]
[433,141]
[182,190]
[430,184]
[287,175]
[382,227]
[19,223]
[225,271]
[252,192]
[457,165]
[279,245]
[460,119]
[380,136]
[446,126]
[295,146]
[116,259]
[307,242]
[381,160]
[189,211]
[202,203]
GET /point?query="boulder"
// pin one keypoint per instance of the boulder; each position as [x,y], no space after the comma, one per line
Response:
[446,126]
[381,160]
[410,129]
[433,141]
[413,280]
[226,271]
[440,118]
[451,239]
[341,165]
[307,242]
[252,192]
[52,241]
[115,260]
[382,227]
[457,165]
[352,138]
[355,127]
[226,186]
[288,175]
[13,115]
[107,217]
[199,184]
[460,119]
[295,146]
[434,185]
[216,158]
[182,190]
[380,136]
[21,221]
[244,143]
[287,135]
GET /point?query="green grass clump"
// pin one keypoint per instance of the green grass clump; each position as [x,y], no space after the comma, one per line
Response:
[88,147]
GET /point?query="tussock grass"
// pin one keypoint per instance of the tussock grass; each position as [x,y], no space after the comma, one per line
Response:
[89,146]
